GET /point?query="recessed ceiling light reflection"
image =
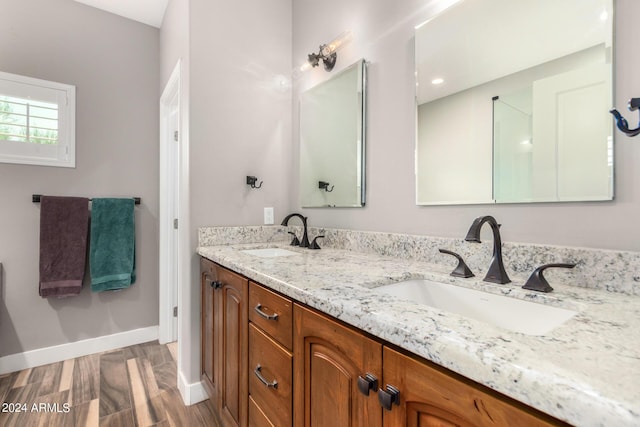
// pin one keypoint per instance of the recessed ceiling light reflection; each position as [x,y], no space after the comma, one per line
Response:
[437,81]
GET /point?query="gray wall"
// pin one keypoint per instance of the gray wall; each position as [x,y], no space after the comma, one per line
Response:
[383,34]
[240,117]
[174,41]
[114,64]
[236,63]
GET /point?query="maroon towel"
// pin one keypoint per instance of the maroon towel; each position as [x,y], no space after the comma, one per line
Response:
[64,225]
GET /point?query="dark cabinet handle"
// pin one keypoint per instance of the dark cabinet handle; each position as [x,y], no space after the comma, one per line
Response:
[258,309]
[263,380]
[367,383]
[389,396]
[216,284]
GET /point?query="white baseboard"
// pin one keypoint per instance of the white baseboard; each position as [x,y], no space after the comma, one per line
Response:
[191,393]
[57,353]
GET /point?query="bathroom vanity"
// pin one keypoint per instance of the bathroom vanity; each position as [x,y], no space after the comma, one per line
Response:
[292,334]
[330,360]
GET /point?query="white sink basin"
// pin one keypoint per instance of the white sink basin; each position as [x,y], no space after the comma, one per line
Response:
[269,252]
[509,313]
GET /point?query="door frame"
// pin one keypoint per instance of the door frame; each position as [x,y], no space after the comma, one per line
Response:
[169,254]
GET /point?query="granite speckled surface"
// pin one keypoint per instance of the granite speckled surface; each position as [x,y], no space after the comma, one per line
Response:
[585,372]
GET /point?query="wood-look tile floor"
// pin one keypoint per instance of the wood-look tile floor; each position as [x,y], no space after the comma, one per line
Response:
[132,386]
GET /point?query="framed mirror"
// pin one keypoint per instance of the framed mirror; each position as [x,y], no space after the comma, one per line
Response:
[332,140]
[512,102]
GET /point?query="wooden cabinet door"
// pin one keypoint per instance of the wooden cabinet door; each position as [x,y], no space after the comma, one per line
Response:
[208,345]
[429,397]
[231,329]
[328,359]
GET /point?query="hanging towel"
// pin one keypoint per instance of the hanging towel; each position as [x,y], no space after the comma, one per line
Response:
[64,224]
[112,247]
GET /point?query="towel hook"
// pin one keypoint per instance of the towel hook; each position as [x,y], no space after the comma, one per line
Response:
[621,122]
[251,180]
[325,185]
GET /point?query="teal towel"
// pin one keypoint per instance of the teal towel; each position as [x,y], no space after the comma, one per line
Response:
[112,244]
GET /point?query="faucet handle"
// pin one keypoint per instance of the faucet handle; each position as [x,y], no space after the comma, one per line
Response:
[537,282]
[461,270]
[314,243]
[294,241]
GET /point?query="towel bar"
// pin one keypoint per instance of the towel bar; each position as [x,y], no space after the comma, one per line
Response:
[35,198]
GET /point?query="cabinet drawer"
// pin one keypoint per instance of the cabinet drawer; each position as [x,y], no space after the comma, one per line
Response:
[257,418]
[269,363]
[272,313]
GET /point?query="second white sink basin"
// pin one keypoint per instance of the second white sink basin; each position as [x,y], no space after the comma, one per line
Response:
[509,313]
[269,252]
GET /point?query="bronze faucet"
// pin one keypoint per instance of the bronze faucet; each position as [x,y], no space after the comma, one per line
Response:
[496,273]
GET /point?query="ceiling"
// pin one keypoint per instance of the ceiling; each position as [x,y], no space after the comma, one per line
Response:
[149,12]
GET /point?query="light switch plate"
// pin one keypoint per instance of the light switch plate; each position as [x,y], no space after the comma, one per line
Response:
[268,216]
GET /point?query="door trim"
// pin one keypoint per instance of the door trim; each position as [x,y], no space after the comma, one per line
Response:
[169,256]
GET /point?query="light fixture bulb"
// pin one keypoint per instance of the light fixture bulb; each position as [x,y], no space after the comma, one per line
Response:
[304,67]
[338,41]
[326,53]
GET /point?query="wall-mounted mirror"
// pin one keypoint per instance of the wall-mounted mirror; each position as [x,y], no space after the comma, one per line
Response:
[332,140]
[512,102]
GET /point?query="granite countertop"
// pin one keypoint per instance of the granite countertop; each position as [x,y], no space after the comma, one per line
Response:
[585,372]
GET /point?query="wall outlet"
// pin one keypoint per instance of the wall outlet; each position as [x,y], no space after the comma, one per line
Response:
[268,216]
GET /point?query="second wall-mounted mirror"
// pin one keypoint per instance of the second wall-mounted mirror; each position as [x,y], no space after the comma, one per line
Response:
[332,140]
[512,102]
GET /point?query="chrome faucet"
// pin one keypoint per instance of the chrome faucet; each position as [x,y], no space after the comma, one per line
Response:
[496,273]
[304,242]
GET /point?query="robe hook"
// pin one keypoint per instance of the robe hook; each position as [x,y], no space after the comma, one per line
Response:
[251,181]
[325,185]
[621,122]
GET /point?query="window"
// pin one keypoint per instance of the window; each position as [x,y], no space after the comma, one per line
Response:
[37,121]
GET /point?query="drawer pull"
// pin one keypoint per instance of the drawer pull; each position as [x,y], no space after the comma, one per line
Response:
[216,284]
[263,380]
[258,310]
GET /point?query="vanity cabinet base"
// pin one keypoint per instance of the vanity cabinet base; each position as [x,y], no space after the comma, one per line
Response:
[268,361]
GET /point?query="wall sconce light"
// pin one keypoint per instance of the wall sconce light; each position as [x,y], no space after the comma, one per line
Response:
[327,53]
